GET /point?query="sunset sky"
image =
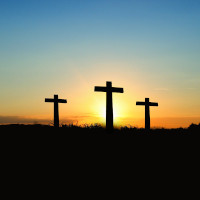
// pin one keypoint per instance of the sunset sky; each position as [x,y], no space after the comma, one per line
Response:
[151,48]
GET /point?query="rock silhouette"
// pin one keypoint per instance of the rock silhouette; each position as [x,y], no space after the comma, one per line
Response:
[147,104]
[109,104]
[56,112]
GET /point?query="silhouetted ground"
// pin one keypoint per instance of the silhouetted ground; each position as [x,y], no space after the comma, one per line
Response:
[75,138]
[77,131]
[39,151]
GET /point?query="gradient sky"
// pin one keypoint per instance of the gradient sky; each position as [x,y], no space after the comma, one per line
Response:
[151,48]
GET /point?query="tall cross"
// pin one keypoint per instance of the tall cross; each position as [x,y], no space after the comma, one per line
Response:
[56,101]
[147,104]
[109,105]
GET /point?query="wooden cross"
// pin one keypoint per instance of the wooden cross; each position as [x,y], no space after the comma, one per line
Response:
[109,105]
[56,101]
[147,104]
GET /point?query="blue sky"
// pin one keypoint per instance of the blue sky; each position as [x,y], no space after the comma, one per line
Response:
[150,46]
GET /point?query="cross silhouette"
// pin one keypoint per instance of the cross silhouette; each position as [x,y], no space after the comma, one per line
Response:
[147,104]
[56,101]
[109,104]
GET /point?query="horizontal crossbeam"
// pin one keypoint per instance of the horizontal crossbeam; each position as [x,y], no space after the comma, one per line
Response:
[106,89]
[146,103]
[56,100]
[140,103]
[119,90]
[49,100]
[100,89]
[62,101]
[153,104]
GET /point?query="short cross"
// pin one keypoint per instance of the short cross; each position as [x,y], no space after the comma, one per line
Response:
[56,101]
[147,104]
[109,105]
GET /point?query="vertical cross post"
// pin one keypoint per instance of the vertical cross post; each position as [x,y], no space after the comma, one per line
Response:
[56,111]
[109,103]
[147,114]
[147,104]
[109,106]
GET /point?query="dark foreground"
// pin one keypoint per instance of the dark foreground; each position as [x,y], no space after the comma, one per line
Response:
[73,151]
[73,135]
[74,138]
[97,130]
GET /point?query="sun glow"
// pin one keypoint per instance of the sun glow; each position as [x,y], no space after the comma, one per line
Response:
[115,114]
[119,112]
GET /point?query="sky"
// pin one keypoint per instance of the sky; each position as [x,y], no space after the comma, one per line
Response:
[151,48]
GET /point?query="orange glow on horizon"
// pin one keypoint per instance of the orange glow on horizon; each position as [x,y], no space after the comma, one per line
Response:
[84,106]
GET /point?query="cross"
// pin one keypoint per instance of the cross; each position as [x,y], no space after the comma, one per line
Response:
[147,104]
[56,101]
[109,105]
